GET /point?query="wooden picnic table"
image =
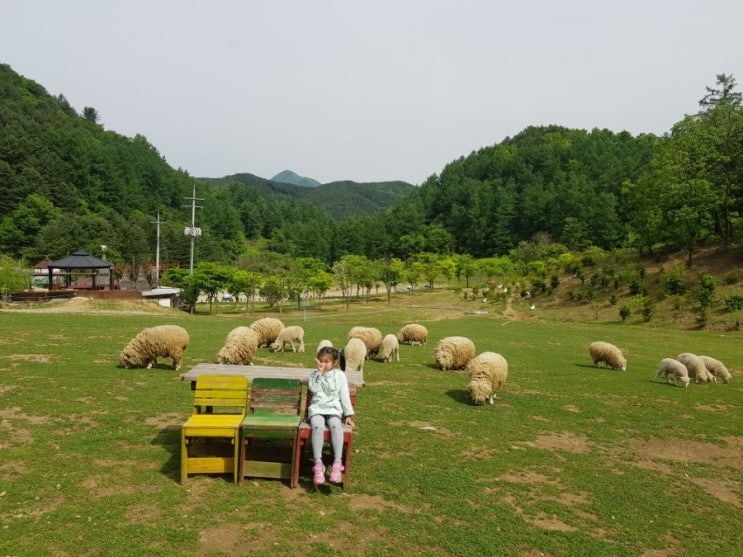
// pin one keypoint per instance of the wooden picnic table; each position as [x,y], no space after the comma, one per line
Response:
[273,372]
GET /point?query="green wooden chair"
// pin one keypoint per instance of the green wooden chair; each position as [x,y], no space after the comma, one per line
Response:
[269,429]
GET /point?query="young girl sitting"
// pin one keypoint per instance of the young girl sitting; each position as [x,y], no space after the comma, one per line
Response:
[330,403]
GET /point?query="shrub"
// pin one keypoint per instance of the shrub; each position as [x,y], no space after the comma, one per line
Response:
[635,288]
[613,299]
[731,277]
[624,312]
[702,318]
[648,309]
[705,291]
[734,302]
[674,280]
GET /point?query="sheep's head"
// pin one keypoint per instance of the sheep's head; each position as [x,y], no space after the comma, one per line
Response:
[480,391]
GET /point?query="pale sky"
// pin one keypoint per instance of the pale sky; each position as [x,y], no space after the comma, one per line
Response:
[370,90]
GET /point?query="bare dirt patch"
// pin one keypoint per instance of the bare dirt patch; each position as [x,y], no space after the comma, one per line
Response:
[562,441]
[35,358]
[682,450]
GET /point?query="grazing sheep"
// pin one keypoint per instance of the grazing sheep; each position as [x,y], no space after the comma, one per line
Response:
[322,344]
[453,352]
[371,337]
[716,368]
[607,353]
[268,328]
[668,367]
[696,368]
[353,355]
[168,341]
[289,335]
[239,347]
[487,372]
[390,347]
[413,333]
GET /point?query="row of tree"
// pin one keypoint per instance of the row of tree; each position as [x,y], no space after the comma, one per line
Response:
[69,184]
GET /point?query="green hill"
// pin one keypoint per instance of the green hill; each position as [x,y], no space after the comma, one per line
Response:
[289,177]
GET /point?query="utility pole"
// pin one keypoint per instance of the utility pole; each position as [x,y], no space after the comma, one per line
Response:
[192,230]
[156,273]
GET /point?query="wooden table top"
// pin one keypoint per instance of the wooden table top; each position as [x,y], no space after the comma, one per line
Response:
[273,372]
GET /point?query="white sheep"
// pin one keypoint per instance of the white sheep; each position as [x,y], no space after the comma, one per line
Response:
[607,353]
[353,355]
[695,365]
[289,335]
[413,333]
[322,344]
[453,352]
[670,367]
[371,337]
[487,373]
[716,368]
[268,328]
[390,348]
[239,347]
[168,341]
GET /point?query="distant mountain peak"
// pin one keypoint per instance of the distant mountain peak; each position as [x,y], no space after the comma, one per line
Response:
[289,177]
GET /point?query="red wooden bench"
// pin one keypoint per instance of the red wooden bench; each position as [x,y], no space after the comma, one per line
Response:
[304,436]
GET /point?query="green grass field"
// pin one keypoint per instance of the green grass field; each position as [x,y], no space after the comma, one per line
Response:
[571,460]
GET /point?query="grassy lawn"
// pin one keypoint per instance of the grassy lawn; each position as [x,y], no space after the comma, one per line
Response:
[571,460]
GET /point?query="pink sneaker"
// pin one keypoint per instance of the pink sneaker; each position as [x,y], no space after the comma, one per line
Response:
[335,473]
[319,471]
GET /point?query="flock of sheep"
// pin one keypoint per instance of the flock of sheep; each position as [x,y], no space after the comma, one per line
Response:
[681,370]
[487,371]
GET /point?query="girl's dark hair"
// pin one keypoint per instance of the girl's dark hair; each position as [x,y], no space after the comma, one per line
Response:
[335,354]
[328,350]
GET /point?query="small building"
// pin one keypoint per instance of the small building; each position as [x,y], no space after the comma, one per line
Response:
[89,272]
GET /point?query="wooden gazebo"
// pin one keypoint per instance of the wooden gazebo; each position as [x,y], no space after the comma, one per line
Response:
[80,263]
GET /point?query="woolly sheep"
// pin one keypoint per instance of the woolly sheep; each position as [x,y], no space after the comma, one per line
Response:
[607,353]
[289,335]
[695,366]
[353,355]
[413,333]
[453,352]
[670,367]
[322,344]
[167,341]
[716,368]
[239,347]
[487,373]
[268,329]
[371,337]
[390,348]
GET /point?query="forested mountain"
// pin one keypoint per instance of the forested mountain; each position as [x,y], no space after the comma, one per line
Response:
[340,199]
[69,184]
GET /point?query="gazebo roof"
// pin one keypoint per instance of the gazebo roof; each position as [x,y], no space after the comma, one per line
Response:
[80,260]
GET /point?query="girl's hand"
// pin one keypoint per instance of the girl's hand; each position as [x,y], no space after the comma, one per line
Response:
[349,421]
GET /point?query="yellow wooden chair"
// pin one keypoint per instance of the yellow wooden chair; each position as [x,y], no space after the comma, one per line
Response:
[268,431]
[210,437]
